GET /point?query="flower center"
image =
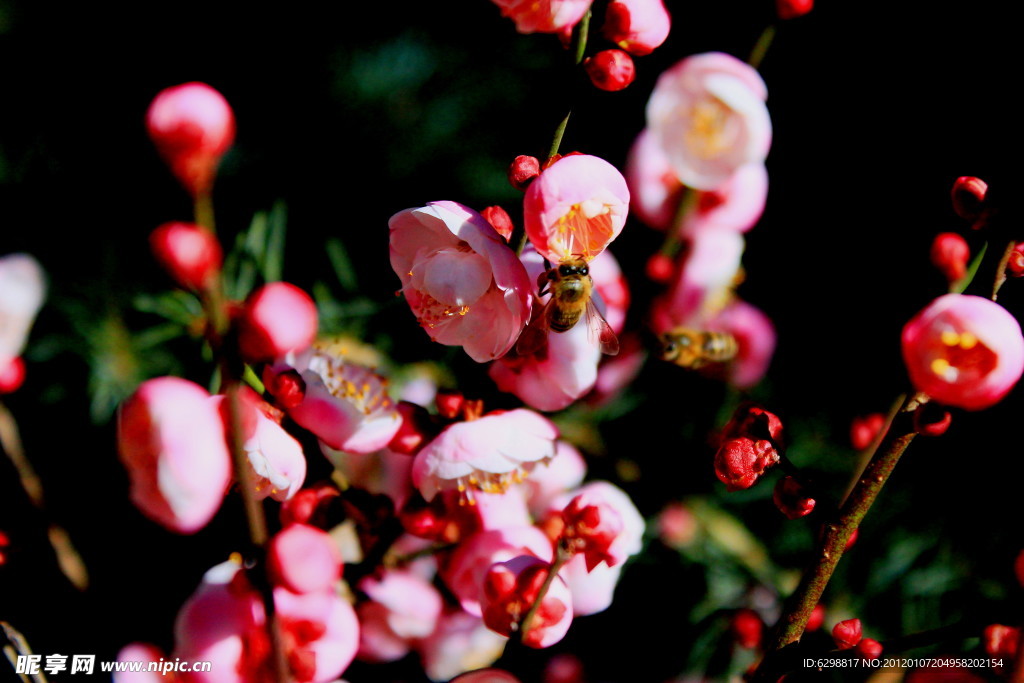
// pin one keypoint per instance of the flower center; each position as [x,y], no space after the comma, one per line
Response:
[583,230]
[961,357]
[362,387]
[432,313]
[709,133]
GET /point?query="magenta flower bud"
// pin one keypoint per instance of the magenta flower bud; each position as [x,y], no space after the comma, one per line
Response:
[171,440]
[864,430]
[791,498]
[12,375]
[499,220]
[931,420]
[1015,266]
[610,70]
[576,207]
[637,26]
[869,648]
[847,633]
[189,253]
[523,170]
[512,587]
[746,627]
[285,385]
[950,254]
[192,126]
[790,9]
[303,559]
[277,318]
[964,351]
[969,197]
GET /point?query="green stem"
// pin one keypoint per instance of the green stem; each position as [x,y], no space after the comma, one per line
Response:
[764,41]
[579,48]
[836,535]
[556,142]
[673,242]
[561,557]
[203,209]
[1000,276]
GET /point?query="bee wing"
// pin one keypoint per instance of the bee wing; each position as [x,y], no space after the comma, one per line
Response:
[535,336]
[599,329]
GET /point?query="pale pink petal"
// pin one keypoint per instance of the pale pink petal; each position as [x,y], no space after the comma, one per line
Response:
[460,643]
[22,288]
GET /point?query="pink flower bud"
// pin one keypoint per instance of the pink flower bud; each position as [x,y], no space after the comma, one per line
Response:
[564,668]
[22,288]
[677,526]
[816,619]
[950,254]
[869,648]
[931,420]
[523,170]
[637,26]
[790,9]
[171,440]
[591,526]
[303,559]
[1000,641]
[660,268]
[512,587]
[416,429]
[575,207]
[550,16]
[486,676]
[610,70]
[277,318]
[308,506]
[864,430]
[740,462]
[1015,266]
[847,633]
[746,627]
[12,375]
[964,351]
[189,253]
[192,126]
[791,498]
[1018,568]
[969,197]
[499,220]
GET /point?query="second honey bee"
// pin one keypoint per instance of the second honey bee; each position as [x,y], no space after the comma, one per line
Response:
[694,349]
[571,289]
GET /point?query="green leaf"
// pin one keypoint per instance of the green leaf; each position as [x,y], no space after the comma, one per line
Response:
[342,265]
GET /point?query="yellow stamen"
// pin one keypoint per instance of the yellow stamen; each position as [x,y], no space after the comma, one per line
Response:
[968,341]
[950,338]
[940,366]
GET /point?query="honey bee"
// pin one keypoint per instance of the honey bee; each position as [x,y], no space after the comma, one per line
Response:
[571,288]
[689,348]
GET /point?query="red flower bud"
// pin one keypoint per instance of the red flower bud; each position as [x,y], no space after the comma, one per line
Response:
[192,126]
[740,462]
[816,619]
[449,403]
[308,506]
[523,170]
[610,70]
[864,430]
[932,420]
[791,498]
[790,9]
[1000,641]
[753,421]
[851,540]
[746,628]
[950,254]
[847,633]
[869,648]
[499,220]
[189,253]
[416,429]
[1015,266]
[287,387]
[12,376]
[637,26]
[660,268]
[1018,568]
[969,197]
[276,318]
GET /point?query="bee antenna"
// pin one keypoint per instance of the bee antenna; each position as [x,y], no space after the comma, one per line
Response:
[547,264]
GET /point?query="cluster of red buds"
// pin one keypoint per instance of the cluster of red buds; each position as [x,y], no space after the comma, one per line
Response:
[750,445]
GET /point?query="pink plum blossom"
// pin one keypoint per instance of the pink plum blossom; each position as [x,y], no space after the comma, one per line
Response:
[614,504]
[615,374]
[487,676]
[637,26]
[543,16]
[223,622]
[563,472]
[145,653]
[755,340]
[171,440]
[276,319]
[192,126]
[512,587]
[708,114]
[382,472]
[611,284]
[344,404]
[276,458]
[964,351]
[462,282]
[703,283]
[465,570]
[22,288]
[653,185]
[303,559]
[502,510]
[592,589]
[736,204]
[461,642]
[575,207]
[488,454]
[402,609]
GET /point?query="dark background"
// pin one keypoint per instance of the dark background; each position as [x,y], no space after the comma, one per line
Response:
[351,113]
